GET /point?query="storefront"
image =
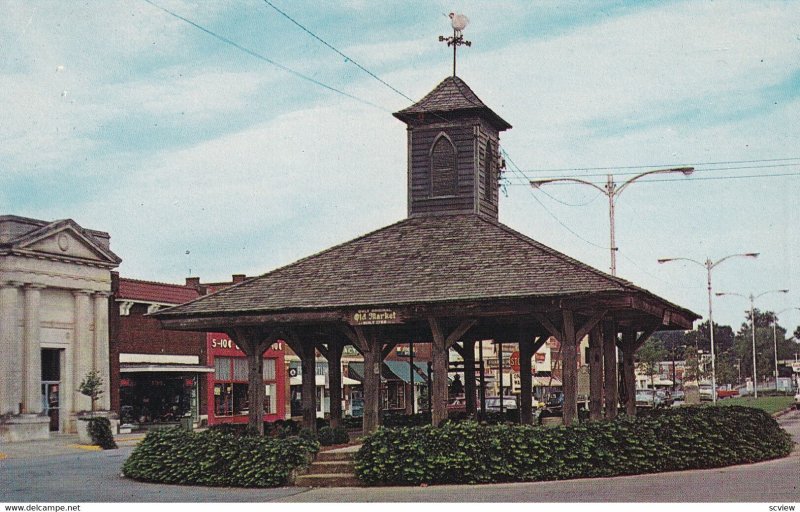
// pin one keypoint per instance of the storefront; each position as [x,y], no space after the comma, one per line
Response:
[159,394]
[227,385]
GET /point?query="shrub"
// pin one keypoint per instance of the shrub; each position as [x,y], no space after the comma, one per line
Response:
[217,458]
[329,436]
[100,430]
[666,440]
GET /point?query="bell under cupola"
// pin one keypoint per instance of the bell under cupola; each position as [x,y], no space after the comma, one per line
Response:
[453,152]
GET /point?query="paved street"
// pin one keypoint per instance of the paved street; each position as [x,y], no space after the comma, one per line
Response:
[94,477]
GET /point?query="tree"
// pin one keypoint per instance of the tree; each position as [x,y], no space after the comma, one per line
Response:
[727,372]
[649,356]
[92,386]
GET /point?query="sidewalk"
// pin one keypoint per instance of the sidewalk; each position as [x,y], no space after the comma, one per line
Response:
[59,444]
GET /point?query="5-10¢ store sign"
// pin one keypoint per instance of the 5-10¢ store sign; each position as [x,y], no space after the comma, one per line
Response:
[375,317]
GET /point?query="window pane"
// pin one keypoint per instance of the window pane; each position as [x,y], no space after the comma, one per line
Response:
[239,398]
[222,368]
[240,368]
[321,368]
[270,401]
[269,369]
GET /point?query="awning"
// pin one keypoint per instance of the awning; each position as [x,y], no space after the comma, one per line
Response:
[400,370]
[320,381]
[546,381]
[171,368]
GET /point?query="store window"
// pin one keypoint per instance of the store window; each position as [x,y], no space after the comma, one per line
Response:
[394,395]
[230,386]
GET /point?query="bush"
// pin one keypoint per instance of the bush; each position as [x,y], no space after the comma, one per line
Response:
[665,440]
[217,458]
[329,436]
[100,430]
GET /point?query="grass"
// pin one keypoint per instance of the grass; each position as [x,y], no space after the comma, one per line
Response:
[771,404]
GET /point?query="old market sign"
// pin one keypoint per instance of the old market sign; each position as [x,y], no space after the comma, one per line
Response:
[375,316]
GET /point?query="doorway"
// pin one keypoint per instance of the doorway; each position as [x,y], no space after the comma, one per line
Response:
[51,386]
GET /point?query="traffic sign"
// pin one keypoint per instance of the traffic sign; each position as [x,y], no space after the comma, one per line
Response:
[514,361]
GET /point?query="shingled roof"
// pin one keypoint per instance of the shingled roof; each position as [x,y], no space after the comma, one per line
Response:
[451,95]
[418,260]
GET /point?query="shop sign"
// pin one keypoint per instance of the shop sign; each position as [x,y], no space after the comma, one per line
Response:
[378,316]
[540,357]
[404,350]
[796,367]
[227,343]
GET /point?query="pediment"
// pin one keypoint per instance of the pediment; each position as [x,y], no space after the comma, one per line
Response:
[64,239]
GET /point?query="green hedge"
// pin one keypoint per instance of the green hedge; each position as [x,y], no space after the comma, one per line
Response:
[217,458]
[100,431]
[667,440]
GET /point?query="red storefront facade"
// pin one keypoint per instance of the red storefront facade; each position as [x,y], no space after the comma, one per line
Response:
[227,385]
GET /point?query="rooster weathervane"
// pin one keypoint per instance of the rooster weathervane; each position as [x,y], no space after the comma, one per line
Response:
[459,22]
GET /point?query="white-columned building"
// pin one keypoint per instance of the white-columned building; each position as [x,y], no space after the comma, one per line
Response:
[55,279]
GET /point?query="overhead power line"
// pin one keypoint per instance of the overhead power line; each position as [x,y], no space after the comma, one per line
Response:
[525,181]
[347,57]
[264,58]
[653,166]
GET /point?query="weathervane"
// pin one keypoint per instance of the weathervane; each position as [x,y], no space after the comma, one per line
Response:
[459,22]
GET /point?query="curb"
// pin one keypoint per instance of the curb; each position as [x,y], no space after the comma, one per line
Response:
[87,447]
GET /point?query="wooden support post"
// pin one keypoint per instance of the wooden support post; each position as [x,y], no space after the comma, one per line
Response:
[596,373]
[438,395]
[628,370]
[440,347]
[411,372]
[569,354]
[610,393]
[525,380]
[469,377]
[365,341]
[254,342]
[334,357]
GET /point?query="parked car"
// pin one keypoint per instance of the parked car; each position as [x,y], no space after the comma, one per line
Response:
[493,403]
[727,393]
[666,397]
[648,398]
[706,392]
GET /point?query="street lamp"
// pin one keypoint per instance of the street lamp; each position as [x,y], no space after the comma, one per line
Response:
[612,192]
[775,340]
[709,265]
[753,327]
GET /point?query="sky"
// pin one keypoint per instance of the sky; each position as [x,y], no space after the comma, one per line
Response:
[233,141]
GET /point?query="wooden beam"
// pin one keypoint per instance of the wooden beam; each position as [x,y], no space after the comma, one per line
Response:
[548,325]
[459,331]
[644,335]
[387,349]
[438,395]
[596,373]
[628,370]
[610,390]
[589,324]
[525,379]
[569,370]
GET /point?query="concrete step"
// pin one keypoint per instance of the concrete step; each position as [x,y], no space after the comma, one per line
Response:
[328,480]
[328,467]
[331,456]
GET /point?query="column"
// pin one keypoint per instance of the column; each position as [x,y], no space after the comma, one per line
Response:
[32,352]
[335,381]
[82,355]
[469,377]
[595,373]
[309,392]
[628,371]
[255,386]
[101,357]
[525,382]
[569,353]
[610,370]
[439,395]
[372,386]
[11,362]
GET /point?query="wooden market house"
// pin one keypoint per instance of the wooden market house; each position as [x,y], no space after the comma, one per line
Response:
[449,274]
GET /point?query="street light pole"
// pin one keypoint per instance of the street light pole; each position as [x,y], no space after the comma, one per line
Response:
[753,327]
[775,340]
[612,192]
[709,266]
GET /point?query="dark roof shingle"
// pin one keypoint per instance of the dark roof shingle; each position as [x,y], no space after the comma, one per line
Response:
[417,260]
[451,95]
